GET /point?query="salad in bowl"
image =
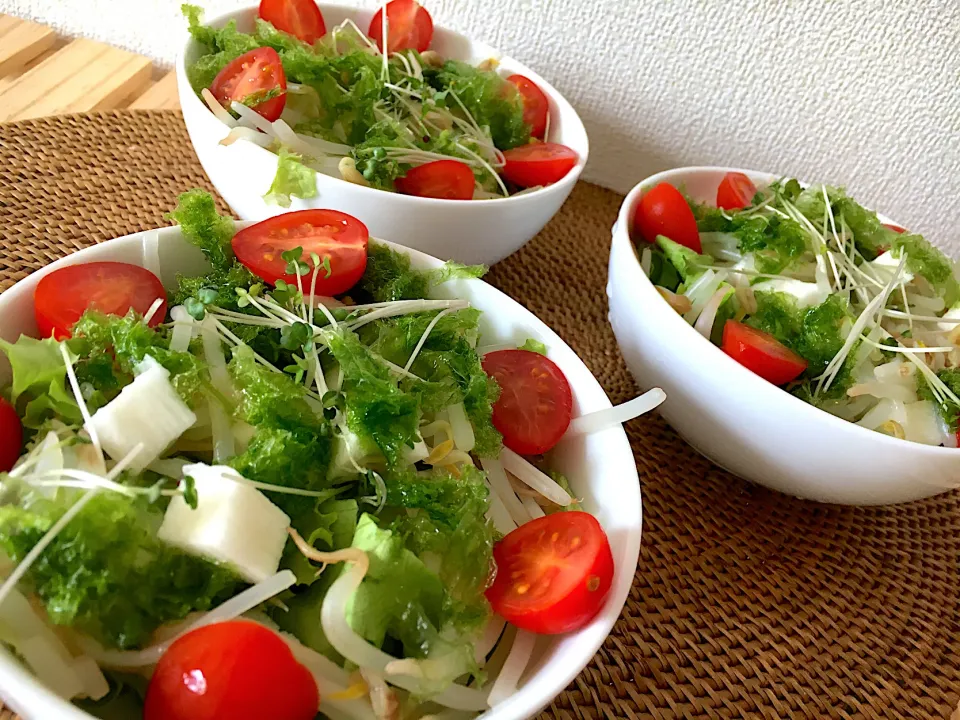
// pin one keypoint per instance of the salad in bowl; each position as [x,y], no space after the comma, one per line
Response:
[335,99]
[287,470]
[806,342]
[813,292]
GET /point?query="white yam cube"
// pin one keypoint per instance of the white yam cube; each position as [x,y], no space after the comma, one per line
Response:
[233,523]
[147,411]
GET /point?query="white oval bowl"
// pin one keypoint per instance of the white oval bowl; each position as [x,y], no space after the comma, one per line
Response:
[740,421]
[470,231]
[600,466]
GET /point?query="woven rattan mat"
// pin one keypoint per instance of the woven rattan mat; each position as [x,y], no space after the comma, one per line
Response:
[746,603]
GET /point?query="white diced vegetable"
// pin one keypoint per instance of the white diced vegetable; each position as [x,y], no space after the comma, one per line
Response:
[885,265]
[49,667]
[147,411]
[463,436]
[233,523]
[95,685]
[923,425]
[38,645]
[807,294]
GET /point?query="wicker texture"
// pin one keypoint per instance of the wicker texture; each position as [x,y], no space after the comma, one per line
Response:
[746,603]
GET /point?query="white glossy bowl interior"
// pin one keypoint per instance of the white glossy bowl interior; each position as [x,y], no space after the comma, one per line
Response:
[600,467]
[740,421]
[471,231]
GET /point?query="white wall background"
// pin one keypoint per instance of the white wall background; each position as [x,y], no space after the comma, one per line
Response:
[863,93]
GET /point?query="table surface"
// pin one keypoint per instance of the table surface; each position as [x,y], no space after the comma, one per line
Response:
[746,603]
[42,73]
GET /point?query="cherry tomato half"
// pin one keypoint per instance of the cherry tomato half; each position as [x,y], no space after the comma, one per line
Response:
[553,573]
[444,179]
[235,670]
[112,288]
[736,191]
[11,436]
[409,26]
[535,105]
[538,163]
[535,404]
[762,353]
[301,18]
[664,211]
[256,72]
[330,234]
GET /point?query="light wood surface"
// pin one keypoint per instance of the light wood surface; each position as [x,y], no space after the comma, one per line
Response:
[44,74]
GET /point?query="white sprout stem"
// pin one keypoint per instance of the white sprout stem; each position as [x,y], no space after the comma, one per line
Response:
[410,307]
[150,244]
[534,478]
[423,339]
[31,557]
[499,515]
[500,485]
[148,316]
[487,166]
[491,636]
[533,509]
[907,350]
[921,318]
[506,683]
[217,109]
[84,411]
[611,417]
[232,608]
[872,309]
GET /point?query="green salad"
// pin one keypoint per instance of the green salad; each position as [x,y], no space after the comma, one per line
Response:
[293,479]
[406,120]
[813,292]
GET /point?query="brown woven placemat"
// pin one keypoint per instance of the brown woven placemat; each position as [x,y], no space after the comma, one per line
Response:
[746,603]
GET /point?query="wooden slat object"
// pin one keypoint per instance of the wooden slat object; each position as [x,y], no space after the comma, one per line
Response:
[162,95]
[21,41]
[84,75]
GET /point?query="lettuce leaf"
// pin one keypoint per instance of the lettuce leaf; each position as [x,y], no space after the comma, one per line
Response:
[292,444]
[401,602]
[534,345]
[106,573]
[293,178]
[389,275]
[813,333]
[449,525]
[492,101]
[375,407]
[35,364]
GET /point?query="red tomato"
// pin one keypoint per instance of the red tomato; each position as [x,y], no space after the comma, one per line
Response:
[762,353]
[553,573]
[297,17]
[409,26]
[112,288]
[235,670]
[535,105]
[258,71]
[535,403]
[444,179]
[736,191]
[664,211]
[895,228]
[328,233]
[538,163]
[11,436]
